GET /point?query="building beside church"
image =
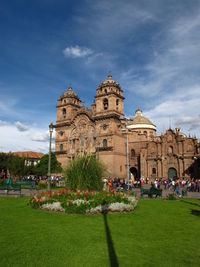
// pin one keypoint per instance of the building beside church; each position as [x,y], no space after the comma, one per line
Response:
[31,158]
[104,132]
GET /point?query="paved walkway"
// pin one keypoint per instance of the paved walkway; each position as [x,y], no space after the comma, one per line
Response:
[167,192]
[29,192]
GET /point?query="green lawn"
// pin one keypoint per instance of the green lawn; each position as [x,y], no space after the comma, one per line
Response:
[158,233]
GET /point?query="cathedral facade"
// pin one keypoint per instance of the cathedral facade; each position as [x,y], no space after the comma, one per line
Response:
[125,146]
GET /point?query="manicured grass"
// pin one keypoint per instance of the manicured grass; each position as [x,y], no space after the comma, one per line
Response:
[158,233]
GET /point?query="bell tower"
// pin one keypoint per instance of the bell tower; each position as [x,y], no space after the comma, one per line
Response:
[109,98]
[67,105]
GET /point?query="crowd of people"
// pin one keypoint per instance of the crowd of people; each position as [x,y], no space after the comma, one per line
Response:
[55,180]
[192,185]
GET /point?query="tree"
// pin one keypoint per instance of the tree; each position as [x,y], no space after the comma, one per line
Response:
[12,163]
[42,167]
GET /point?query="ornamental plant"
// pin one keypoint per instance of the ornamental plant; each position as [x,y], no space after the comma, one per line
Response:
[83,201]
[85,173]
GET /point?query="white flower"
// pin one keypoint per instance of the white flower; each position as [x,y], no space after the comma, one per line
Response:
[114,207]
[55,206]
[78,202]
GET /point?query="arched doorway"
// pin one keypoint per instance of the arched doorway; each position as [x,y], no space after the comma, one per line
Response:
[134,172]
[172,173]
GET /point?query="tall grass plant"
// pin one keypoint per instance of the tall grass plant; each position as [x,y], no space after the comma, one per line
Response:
[85,173]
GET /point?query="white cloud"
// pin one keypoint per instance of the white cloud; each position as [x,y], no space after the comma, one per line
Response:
[3,123]
[35,139]
[179,109]
[169,84]
[77,51]
[42,136]
[21,127]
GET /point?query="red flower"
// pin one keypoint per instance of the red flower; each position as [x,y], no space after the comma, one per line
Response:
[67,204]
[107,195]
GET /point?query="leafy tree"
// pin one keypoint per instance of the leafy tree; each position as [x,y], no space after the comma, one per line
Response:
[12,163]
[84,173]
[42,167]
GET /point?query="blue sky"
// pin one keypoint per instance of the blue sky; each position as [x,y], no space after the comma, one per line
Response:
[152,48]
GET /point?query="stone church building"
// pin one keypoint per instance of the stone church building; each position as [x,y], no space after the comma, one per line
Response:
[123,145]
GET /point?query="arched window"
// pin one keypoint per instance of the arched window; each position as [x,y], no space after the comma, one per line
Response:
[117,102]
[132,153]
[61,147]
[105,103]
[153,170]
[104,143]
[145,132]
[64,112]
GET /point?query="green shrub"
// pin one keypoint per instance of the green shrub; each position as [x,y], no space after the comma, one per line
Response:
[172,196]
[85,173]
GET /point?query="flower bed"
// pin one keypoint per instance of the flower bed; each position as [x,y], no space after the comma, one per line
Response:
[83,202]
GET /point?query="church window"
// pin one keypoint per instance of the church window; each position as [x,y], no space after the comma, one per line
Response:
[61,147]
[117,102]
[64,112]
[105,104]
[104,143]
[153,170]
[132,153]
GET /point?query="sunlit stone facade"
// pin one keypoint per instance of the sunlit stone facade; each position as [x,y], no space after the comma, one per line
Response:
[102,131]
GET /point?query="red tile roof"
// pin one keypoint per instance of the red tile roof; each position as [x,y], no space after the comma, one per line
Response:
[29,154]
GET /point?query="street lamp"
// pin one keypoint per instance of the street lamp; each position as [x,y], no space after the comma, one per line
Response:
[49,162]
[127,152]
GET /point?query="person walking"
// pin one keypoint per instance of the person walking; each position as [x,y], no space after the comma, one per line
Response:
[9,181]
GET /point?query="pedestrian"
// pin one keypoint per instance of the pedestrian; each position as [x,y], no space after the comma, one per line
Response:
[9,181]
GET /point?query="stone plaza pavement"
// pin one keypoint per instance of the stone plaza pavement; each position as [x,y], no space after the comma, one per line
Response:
[29,192]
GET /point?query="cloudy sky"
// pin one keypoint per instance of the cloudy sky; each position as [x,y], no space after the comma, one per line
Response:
[152,48]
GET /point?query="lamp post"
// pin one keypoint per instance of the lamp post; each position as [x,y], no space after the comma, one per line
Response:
[49,162]
[127,153]
[127,156]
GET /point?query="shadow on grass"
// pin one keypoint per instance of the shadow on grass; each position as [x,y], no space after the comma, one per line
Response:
[191,203]
[195,212]
[111,249]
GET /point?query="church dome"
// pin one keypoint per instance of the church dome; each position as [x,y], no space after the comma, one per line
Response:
[70,93]
[141,122]
[109,81]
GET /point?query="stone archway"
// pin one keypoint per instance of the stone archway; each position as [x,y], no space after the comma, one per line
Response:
[134,172]
[172,173]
